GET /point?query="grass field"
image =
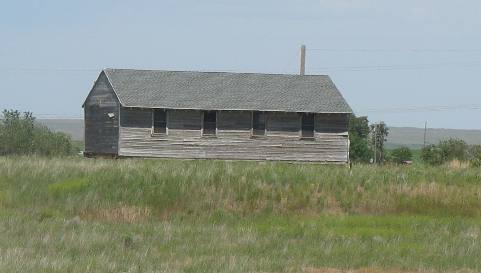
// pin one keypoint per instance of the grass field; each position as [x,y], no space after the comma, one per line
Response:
[86,215]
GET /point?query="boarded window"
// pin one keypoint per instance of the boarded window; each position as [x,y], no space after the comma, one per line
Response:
[283,124]
[307,125]
[160,121]
[258,123]
[210,122]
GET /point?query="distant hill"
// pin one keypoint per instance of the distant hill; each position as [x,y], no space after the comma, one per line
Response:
[73,127]
[398,136]
[413,137]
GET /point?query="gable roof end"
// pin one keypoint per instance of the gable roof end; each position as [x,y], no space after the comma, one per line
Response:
[102,74]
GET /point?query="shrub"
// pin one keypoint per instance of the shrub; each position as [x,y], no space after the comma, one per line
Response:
[454,148]
[20,135]
[446,150]
[401,155]
[432,155]
[16,132]
[474,155]
[46,142]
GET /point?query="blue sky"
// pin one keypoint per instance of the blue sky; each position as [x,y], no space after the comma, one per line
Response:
[404,62]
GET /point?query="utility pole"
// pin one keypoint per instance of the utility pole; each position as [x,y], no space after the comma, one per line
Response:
[375,144]
[425,131]
[303,61]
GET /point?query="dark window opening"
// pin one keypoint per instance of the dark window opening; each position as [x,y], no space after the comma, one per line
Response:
[258,123]
[307,125]
[160,121]
[210,122]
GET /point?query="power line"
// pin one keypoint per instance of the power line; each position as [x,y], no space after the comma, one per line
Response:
[399,109]
[357,68]
[54,116]
[24,69]
[413,109]
[379,50]
[399,66]
[95,70]
[396,66]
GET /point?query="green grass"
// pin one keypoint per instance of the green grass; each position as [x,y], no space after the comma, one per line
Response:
[68,187]
[417,155]
[78,145]
[86,215]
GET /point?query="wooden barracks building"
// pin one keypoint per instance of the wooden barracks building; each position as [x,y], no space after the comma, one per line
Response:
[216,115]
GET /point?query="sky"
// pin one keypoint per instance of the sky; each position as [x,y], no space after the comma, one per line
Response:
[402,62]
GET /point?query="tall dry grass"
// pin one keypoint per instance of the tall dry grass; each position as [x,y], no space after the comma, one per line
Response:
[85,215]
[168,187]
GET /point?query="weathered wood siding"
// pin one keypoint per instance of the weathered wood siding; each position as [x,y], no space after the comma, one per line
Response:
[101,131]
[233,141]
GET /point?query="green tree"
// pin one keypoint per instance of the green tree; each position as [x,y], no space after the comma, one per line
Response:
[401,154]
[378,136]
[358,136]
[16,132]
[359,126]
[20,135]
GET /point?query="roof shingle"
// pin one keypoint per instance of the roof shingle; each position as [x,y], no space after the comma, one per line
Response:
[226,91]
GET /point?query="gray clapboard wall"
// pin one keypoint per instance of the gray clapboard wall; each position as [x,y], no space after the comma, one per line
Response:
[233,141]
[101,131]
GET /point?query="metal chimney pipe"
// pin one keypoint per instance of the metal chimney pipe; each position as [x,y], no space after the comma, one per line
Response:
[303,60]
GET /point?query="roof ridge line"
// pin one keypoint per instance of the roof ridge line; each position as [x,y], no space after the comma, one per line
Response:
[218,72]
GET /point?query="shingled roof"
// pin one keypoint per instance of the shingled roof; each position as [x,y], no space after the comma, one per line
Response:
[226,91]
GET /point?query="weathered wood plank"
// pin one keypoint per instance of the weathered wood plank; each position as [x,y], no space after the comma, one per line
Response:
[101,131]
[233,139]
